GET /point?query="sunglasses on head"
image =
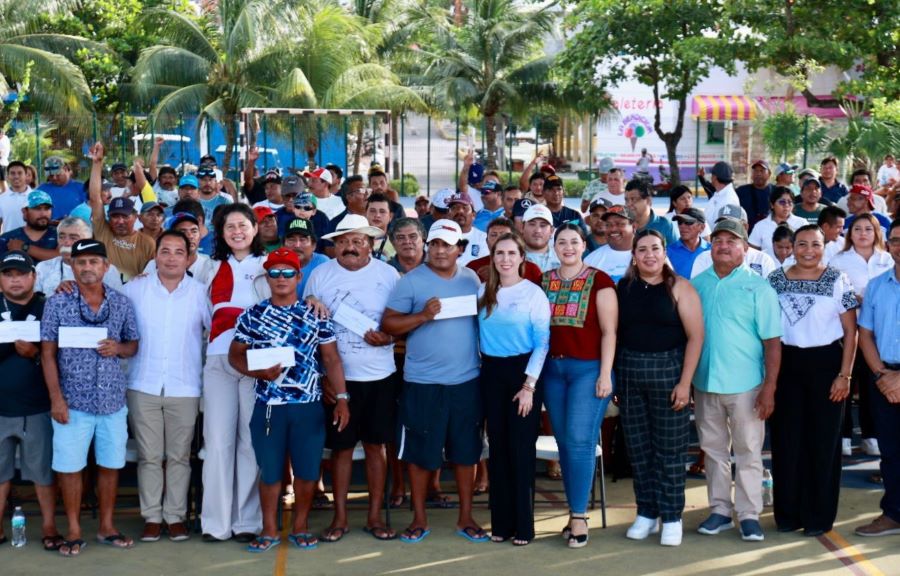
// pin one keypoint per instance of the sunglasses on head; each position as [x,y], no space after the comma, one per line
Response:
[282,273]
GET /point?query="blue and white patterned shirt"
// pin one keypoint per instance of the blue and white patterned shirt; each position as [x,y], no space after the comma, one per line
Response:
[268,326]
[89,382]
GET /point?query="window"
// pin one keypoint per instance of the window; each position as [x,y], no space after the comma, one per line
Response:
[715,132]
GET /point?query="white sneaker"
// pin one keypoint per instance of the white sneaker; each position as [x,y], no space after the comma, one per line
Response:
[671,534]
[846,447]
[870,447]
[642,528]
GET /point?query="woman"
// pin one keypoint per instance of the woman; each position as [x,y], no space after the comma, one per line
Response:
[514,331]
[680,199]
[819,343]
[660,338]
[783,244]
[230,497]
[578,377]
[781,202]
[863,258]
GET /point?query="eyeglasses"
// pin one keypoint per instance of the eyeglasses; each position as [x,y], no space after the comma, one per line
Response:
[281,273]
[304,207]
[784,202]
[893,242]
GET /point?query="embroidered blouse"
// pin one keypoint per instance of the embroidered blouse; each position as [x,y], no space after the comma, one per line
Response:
[574,327]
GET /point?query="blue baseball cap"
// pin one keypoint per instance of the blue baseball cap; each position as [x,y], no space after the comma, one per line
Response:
[39,198]
[189,180]
[491,186]
[476,174]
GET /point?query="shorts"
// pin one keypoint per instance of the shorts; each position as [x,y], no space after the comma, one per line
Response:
[34,437]
[72,441]
[436,418]
[295,429]
[373,408]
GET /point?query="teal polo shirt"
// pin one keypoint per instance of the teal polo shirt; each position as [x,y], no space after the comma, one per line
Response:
[739,312]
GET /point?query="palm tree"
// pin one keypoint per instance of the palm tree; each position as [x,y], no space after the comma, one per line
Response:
[263,53]
[57,86]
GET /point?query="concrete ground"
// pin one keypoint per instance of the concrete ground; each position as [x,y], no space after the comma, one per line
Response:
[608,552]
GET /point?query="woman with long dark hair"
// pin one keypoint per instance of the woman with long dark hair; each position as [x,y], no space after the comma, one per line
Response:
[230,496]
[514,332]
[660,339]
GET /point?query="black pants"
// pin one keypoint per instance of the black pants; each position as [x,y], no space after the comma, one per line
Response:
[512,450]
[862,377]
[806,438]
[887,424]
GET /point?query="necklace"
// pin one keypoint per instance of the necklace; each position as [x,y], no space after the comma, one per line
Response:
[574,276]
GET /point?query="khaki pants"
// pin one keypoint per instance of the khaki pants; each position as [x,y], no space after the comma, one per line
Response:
[164,429]
[726,421]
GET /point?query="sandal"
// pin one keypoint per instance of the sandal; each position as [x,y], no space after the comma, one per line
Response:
[304,540]
[263,544]
[414,535]
[380,532]
[117,540]
[334,534]
[554,471]
[473,534]
[72,548]
[497,539]
[52,543]
[579,540]
[521,541]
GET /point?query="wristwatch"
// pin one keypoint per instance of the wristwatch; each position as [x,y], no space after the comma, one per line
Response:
[342,396]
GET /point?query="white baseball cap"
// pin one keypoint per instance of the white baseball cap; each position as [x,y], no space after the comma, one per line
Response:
[538,211]
[439,198]
[322,174]
[446,230]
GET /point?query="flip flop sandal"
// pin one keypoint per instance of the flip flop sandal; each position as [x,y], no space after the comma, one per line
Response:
[414,535]
[498,539]
[473,534]
[263,544]
[334,534]
[304,540]
[380,532]
[71,552]
[117,540]
[51,543]
[521,541]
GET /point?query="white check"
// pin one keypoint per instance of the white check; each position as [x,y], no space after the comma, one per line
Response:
[262,358]
[354,320]
[458,306]
[29,331]
[81,336]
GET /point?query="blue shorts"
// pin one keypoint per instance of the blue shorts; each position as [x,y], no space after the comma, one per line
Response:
[295,429]
[72,441]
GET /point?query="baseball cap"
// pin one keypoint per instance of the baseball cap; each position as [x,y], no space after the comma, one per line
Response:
[460,199]
[810,182]
[731,226]
[118,166]
[354,223]
[536,211]
[148,206]
[82,211]
[490,186]
[785,168]
[809,173]
[53,165]
[760,162]
[88,247]
[476,174]
[208,159]
[121,205]
[180,217]
[606,164]
[723,172]
[439,198]
[732,211]
[282,256]
[262,212]
[547,170]
[863,191]
[188,180]
[599,202]
[300,226]
[321,174]
[306,198]
[446,230]
[553,181]
[521,206]
[691,216]
[39,198]
[620,211]
[273,176]
[16,260]
[292,185]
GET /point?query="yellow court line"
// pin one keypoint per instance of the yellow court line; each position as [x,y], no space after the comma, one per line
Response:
[852,552]
[281,558]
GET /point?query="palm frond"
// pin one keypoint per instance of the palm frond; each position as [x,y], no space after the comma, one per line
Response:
[179,30]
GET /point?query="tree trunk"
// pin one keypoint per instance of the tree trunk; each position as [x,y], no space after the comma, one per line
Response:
[671,139]
[357,154]
[490,137]
[671,152]
[229,144]
[394,168]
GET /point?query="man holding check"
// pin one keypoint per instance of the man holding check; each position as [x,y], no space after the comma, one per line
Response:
[277,342]
[84,333]
[440,408]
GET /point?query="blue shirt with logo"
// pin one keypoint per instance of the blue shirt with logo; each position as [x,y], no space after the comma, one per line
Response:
[65,198]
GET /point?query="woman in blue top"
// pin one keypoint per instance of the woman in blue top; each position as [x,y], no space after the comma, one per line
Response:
[514,331]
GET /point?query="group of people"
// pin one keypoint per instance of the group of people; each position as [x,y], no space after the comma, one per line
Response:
[314,315]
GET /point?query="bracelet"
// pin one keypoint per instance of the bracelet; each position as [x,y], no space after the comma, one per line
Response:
[846,376]
[528,388]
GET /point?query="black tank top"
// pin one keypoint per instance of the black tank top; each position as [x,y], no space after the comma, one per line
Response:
[648,318]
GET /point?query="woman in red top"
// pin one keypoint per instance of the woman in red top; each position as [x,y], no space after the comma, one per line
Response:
[578,375]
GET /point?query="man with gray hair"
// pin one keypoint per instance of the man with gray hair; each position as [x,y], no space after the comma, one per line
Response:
[51,273]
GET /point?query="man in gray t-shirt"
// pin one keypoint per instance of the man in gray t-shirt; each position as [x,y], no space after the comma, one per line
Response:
[440,408]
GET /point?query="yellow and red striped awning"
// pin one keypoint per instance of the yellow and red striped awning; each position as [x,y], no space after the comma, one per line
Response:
[723,108]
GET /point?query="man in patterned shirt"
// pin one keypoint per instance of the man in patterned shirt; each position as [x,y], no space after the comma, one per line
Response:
[288,416]
[87,388]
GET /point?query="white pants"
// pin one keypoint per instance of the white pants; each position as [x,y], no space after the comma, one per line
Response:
[230,495]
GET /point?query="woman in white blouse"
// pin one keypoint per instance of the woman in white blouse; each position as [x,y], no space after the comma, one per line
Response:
[864,257]
[819,345]
[781,202]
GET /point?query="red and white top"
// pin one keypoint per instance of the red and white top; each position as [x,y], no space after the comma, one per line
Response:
[231,292]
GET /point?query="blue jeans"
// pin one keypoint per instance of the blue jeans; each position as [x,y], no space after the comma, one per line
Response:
[576,414]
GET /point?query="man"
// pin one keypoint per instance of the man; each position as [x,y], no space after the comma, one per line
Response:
[152,217]
[87,389]
[784,176]
[65,192]
[118,173]
[640,202]
[164,383]
[734,387]
[597,227]
[25,409]
[879,340]
[5,150]
[422,206]
[37,237]
[615,187]
[888,174]
[554,196]
[531,180]
[165,178]
[462,211]
[51,273]
[129,250]
[440,408]
[721,177]
[861,177]
[482,266]
[379,184]
[188,188]
[379,215]
[408,237]
[831,221]
[288,417]
[268,228]
[195,208]
[754,197]
[337,177]
[757,260]
[199,266]
[274,200]
[15,198]
[832,188]
[358,283]
[210,197]
[439,209]
[615,256]
[685,250]
[300,238]
[860,200]
[493,206]
[643,163]
[355,196]
[809,206]
[537,232]
[319,183]
[509,197]
[599,185]
[291,187]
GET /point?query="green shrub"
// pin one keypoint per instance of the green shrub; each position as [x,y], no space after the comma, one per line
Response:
[410,186]
[574,188]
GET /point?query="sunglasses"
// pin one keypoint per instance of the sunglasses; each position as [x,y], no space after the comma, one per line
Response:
[282,273]
[304,207]
[205,173]
[785,202]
